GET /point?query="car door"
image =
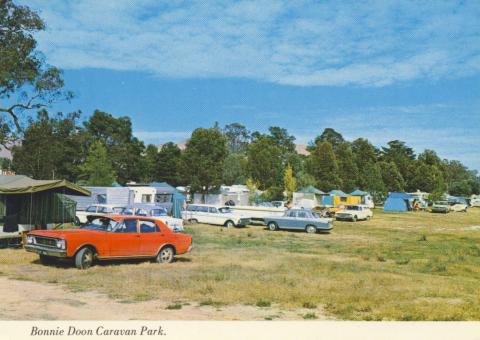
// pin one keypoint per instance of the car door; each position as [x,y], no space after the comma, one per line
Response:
[203,215]
[151,237]
[124,240]
[300,221]
[287,221]
[215,216]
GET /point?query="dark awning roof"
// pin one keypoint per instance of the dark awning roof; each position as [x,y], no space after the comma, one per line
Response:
[19,184]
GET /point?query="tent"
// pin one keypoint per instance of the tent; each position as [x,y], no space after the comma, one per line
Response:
[30,202]
[359,193]
[178,201]
[398,201]
[311,190]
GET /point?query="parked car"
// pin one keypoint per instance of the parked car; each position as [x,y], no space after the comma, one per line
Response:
[96,209]
[440,207]
[210,214]
[107,238]
[458,207]
[354,213]
[156,212]
[299,219]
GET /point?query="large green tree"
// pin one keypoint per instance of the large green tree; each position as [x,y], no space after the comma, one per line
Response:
[124,149]
[265,163]
[26,81]
[235,169]
[237,137]
[328,135]
[392,178]
[150,159]
[202,162]
[50,147]
[403,157]
[167,164]
[97,169]
[322,165]
[347,168]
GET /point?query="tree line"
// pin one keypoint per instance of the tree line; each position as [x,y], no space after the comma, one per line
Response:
[102,149]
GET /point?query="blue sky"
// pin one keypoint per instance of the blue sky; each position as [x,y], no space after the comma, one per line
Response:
[376,69]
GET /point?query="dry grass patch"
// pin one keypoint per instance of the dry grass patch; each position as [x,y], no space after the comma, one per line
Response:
[394,267]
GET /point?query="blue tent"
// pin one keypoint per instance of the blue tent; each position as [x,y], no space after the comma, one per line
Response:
[397,201]
[359,193]
[178,201]
[337,193]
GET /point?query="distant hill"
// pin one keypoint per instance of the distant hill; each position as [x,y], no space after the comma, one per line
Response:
[300,148]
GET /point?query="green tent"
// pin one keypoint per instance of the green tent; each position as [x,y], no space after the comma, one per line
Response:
[37,202]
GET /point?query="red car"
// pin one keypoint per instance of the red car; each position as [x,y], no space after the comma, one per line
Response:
[110,237]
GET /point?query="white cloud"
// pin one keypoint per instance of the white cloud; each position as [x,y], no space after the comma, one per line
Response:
[372,43]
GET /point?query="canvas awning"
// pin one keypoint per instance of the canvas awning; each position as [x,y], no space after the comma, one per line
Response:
[20,184]
[338,193]
[359,193]
[311,190]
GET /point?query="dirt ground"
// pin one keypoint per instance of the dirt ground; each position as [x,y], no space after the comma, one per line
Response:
[25,300]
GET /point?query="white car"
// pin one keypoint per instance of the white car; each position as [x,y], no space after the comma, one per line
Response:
[95,210]
[158,213]
[210,214]
[458,207]
[354,213]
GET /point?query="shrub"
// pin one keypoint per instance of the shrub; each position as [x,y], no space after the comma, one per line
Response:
[263,303]
[174,306]
[310,316]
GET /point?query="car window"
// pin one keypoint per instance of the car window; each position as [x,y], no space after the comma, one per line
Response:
[105,210]
[203,209]
[158,212]
[302,214]
[141,212]
[212,210]
[118,210]
[92,208]
[148,227]
[192,208]
[291,214]
[127,226]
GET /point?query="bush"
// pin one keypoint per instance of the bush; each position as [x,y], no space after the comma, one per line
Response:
[263,303]
[309,305]
[310,316]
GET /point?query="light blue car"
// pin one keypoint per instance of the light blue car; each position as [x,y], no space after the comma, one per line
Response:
[299,219]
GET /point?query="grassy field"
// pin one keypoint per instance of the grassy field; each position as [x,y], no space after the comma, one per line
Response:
[405,266]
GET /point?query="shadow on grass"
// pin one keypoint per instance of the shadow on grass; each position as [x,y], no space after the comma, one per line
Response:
[69,263]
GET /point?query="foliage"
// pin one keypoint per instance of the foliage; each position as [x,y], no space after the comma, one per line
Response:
[202,163]
[237,137]
[166,169]
[264,162]
[26,82]
[347,168]
[235,169]
[322,165]
[328,135]
[289,182]
[50,147]
[97,169]
[125,150]
[392,178]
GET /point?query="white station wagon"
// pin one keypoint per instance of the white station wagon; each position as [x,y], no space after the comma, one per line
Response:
[210,214]
[354,213]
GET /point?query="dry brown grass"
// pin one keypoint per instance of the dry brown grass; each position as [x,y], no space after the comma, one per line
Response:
[410,266]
